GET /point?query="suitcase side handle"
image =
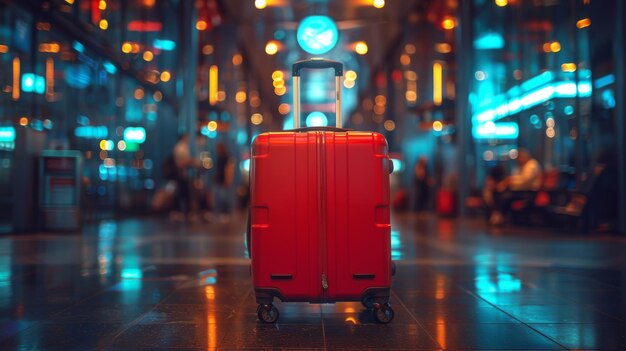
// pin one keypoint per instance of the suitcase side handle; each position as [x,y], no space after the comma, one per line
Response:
[316,63]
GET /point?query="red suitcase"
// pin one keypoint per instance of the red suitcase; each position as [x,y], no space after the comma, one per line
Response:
[320,228]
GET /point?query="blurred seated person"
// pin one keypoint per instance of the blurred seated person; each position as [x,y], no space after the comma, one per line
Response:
[526,177]
[596,200]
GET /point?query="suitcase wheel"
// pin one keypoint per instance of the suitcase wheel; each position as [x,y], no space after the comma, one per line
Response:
[267,313]
[367,302]
[383,313]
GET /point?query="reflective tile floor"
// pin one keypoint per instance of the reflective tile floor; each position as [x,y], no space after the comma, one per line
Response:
[152,284]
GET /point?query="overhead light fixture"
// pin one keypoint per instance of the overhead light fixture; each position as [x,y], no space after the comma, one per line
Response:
[148,56]
[271,48]
[260,4]
[583,23]
[201,25]
[448,23]
[361,48]
[568,67]
[379,4]
[165,76]
[164,44]
[276,75]
[103,24]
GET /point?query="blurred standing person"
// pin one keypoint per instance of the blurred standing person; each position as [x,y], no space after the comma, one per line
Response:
[183,161]
[526,177]
[421,184]
[224,174]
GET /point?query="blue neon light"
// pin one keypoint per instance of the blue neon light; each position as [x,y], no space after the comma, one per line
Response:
[109,67]
[164,44]
[608,99]
[33,83]
[245,165]
[78,46]
[91,132]
[489,41]
[78,76]
[131,273]
[491,130]
[242,137]
[317,34]
[563,89]
[288,122]
[396,245]
[604,81]
[135,134]
[7,134]
[316,119]
[537,81]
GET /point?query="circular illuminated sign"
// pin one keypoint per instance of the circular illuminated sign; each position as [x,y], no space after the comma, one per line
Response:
[317,34]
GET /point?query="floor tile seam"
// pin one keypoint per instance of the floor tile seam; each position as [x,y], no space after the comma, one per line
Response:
[503,311]
[323,327]
[135,321]
[430,336]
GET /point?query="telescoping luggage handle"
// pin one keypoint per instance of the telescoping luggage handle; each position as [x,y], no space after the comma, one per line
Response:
[316,63]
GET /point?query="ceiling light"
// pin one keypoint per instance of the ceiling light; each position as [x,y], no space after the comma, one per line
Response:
[165,76]
[277,75]
[568,67]
[201,25]
[361,48]
[583,23]
[379,4]
[103,24]
[271,48]
[260,4]
[350,75]
[148,56]
[448,23]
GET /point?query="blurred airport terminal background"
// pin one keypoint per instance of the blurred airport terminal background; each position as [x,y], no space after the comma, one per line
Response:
[463,84]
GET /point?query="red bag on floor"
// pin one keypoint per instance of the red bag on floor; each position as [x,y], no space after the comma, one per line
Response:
[446,202]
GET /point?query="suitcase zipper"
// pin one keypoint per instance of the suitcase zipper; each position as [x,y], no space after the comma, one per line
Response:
[321,137]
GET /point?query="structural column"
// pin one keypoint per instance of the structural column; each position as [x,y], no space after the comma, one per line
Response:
[188,103]
[465,59]
[620,109]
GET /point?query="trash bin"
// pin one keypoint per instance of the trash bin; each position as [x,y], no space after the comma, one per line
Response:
[60,173]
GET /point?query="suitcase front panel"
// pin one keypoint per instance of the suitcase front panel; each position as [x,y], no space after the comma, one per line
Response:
[320,215]
[358,229]
[285,231]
